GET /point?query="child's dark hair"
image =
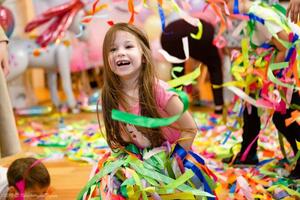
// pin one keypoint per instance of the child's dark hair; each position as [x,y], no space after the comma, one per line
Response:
[29,169]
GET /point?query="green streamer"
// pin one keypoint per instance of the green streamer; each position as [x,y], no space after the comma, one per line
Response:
[148,121]
[280,8]
[110,167]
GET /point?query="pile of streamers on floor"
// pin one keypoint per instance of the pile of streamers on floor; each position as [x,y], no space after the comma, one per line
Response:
[81,140]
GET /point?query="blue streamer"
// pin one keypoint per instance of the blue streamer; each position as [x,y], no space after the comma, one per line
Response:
[266,46]
[236,7]
[181,152]
[162,18]
[295,37]
[289,54]
[228,133]
[187,164]
[232,188]
[197,157]
[261,163]
[256,18]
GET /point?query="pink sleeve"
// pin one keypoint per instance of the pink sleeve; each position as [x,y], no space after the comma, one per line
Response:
[163,95]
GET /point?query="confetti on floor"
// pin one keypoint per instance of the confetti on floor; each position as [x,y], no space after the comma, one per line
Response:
[79,139]
[264,181]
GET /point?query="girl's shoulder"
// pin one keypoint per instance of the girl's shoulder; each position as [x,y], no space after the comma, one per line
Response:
[162,84]
[163,93]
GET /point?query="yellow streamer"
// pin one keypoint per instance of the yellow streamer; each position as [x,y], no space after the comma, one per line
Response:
[180,180]
[288,190]
[200,31]
[186,79]
[182,195]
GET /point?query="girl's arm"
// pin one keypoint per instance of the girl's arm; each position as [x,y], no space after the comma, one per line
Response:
[186,123]
[281,49]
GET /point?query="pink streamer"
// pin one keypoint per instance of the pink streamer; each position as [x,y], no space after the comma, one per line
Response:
[245,154]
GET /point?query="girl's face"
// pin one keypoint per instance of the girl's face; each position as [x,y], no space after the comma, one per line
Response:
[125,56]
[36,193]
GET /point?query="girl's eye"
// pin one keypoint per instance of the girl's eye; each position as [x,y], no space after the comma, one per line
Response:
[129,46]
[113,49]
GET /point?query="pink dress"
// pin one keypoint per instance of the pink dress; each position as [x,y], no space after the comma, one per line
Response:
[162,98]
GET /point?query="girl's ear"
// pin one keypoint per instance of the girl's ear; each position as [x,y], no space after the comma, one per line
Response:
[12,193]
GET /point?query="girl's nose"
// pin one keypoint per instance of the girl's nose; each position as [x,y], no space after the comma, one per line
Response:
[120,53]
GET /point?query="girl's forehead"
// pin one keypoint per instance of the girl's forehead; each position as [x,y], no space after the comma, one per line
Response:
[124,36]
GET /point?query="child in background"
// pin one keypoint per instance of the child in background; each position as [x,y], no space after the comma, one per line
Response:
[130,85]
[202,50]
[269,29]
[29,173]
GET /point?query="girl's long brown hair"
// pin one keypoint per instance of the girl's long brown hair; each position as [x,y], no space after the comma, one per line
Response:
[113,95]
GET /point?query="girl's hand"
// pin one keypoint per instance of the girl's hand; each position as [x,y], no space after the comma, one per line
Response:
[137,137]
[293,10]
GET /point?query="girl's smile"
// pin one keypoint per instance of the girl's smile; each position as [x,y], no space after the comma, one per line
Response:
[125,57]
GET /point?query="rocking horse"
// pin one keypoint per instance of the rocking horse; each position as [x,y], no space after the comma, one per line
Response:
[50,50]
